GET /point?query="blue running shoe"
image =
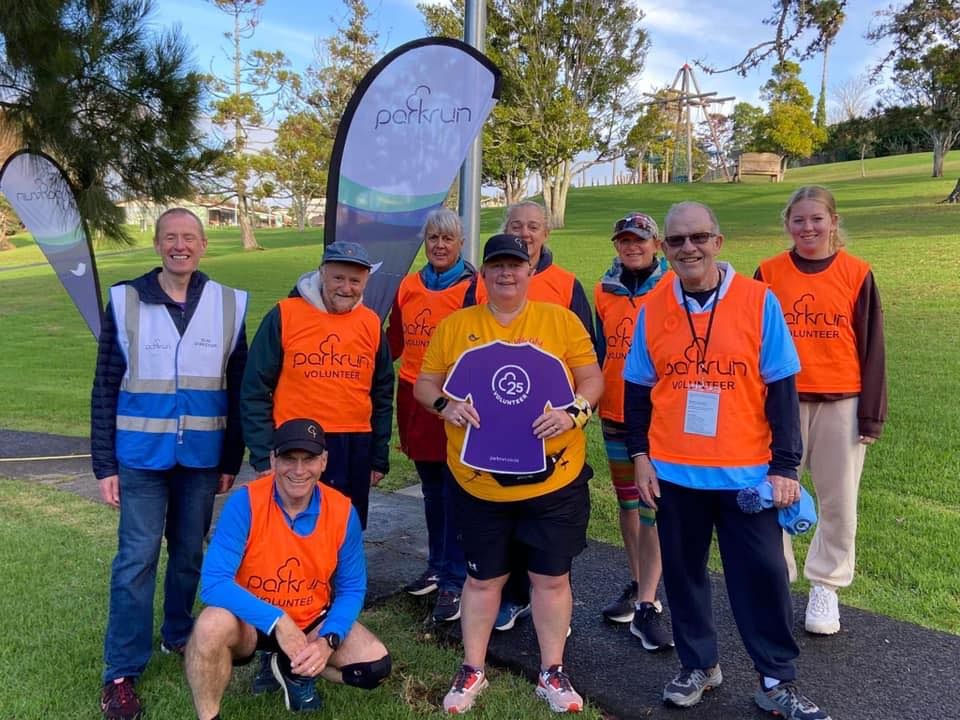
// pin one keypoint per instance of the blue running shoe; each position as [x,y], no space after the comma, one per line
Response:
[299,692]
[264,681]
[508,615]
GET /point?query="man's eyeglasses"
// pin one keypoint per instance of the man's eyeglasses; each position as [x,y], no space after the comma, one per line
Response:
[678,241]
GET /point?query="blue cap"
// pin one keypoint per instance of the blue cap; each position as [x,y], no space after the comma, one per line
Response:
[346,252]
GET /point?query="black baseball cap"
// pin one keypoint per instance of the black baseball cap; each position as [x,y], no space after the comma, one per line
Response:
[299,434]
[505,244]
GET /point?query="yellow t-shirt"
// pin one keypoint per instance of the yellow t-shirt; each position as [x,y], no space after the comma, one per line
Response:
[549,327]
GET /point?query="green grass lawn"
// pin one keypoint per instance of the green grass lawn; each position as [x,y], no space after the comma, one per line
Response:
[908,543]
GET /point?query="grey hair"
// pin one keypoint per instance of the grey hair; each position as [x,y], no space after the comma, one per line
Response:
[525,204]
[444,221]
[690,205]
[177,211]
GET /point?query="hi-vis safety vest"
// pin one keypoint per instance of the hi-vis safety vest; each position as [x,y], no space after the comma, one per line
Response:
[421,310]
[731,368]
[172,405]
[819,310]
[290,571]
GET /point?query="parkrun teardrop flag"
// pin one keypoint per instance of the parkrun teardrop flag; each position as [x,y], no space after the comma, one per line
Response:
[38,190]
[403,137]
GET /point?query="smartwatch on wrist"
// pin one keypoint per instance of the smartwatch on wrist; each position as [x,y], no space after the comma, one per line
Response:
[440,403]
[333,640]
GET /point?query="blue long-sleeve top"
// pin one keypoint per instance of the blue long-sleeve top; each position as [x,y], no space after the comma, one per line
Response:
[219,588]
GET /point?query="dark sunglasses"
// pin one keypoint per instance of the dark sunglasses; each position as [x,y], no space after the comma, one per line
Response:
[678,241]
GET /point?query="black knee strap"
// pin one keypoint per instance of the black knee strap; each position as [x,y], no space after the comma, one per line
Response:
[367,675]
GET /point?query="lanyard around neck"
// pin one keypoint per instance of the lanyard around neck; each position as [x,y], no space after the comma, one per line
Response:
[702,354]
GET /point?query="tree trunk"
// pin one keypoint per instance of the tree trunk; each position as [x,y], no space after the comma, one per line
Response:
[247,238]
[954,196]
[821,116]
[556,183]
[513,189]
[940,148]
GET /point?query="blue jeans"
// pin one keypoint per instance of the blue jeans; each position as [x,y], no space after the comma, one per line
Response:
[180,501]
[444,550]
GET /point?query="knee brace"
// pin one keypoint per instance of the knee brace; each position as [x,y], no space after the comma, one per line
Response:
[367,675]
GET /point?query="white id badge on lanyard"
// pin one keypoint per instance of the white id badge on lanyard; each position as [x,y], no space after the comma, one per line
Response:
[702,411]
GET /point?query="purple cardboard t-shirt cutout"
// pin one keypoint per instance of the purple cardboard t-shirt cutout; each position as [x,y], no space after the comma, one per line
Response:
[510,385]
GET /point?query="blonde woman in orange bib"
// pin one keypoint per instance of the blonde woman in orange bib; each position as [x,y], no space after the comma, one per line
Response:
[832,308]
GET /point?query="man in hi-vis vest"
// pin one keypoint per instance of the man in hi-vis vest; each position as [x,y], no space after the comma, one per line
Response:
[165,438]
[285,572]
[711,408]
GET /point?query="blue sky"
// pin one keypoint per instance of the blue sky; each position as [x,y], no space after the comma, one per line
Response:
[680,31]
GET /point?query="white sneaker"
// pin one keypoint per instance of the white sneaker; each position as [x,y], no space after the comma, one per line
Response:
[823,611]
[467,684]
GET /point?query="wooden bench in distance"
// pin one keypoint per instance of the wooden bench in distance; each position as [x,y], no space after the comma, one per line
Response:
[769,164]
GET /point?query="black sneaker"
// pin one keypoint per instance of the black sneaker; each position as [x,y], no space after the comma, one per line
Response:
[688,687]
[299,692]
[264,681]
[423,585]
[786,701]
[118,701]
[447,608]
[621,609]
[647,624]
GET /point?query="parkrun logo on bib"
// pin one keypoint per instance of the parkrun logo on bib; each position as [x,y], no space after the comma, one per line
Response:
[156,346]
[510,385]
[804,321]
[420,330]
[329,356]
[288,579]
[619,343]
[416,111]
[691,363]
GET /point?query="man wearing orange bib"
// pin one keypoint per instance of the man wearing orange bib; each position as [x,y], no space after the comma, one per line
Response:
[285,572]
[711,409]
[321,353]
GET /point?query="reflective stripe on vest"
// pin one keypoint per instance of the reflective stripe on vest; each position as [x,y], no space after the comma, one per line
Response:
[172,405]
[818,308]
[732,368]
[421,310]
[290,571]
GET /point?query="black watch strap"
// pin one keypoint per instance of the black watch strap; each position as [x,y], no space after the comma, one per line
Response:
[440,403]
[333,640]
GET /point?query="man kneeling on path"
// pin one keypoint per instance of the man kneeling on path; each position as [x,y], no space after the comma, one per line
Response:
[285,572]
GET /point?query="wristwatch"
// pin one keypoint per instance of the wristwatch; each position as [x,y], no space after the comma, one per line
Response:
[440,403]
[333,640]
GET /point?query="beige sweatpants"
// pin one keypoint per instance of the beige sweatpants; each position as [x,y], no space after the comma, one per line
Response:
[833,454]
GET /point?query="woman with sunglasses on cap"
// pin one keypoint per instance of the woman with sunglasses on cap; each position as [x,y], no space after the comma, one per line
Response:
[832,307]
[618,296]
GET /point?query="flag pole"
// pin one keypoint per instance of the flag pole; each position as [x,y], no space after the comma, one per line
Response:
[474,32]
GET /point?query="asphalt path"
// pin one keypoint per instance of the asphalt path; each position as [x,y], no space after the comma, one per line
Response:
[874,668]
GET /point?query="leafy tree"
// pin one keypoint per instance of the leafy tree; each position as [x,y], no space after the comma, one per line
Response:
[115,102]
[788,127]
[925,58]
[341,63]
[567,67]
[746,118]
[649,136]
[298,162]
[242,101]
